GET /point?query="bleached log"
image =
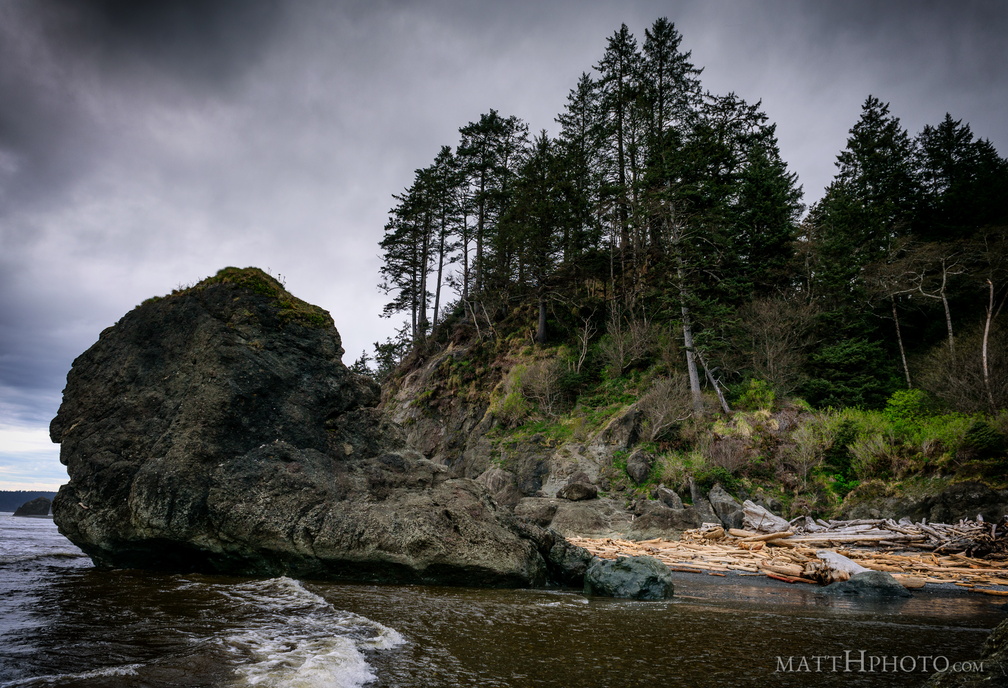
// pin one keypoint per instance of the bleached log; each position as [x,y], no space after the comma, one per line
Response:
[769,536]
[838,562]
[760,519]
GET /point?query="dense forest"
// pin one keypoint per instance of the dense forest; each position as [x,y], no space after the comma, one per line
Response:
[660,230]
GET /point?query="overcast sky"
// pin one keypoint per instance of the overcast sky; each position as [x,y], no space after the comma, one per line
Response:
[145,145]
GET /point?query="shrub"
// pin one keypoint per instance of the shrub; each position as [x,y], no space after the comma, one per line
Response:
[837,455]
[708,476]
[665,405]
[982,441]
[758,395]
[908,405]
[507,403]
[541,383]
[806,450]
[728,453]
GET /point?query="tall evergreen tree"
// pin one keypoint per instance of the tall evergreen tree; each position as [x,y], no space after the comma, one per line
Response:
[619,71]
[537,217]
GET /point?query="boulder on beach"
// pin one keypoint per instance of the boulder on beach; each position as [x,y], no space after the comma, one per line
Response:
[36,507]
[217,429]
[868,584]
[635,578]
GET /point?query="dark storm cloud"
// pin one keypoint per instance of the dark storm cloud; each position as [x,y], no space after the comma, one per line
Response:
[204,43]
[144,145]
[61,61]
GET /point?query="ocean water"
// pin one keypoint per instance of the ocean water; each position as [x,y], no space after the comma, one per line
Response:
[65,623]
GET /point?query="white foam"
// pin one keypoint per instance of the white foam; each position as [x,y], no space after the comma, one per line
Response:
[61,679]
[299,640]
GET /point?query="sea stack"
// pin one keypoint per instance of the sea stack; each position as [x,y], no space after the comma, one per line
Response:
[217,429]
[39,506]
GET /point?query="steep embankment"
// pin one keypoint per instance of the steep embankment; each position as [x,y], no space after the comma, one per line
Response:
[626,456]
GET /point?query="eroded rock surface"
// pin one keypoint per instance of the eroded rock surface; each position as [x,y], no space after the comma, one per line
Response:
[217,429]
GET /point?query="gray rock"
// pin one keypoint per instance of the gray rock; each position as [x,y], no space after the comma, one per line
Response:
[567,563]
[590,518]
[702,505]
[502,486]
[623,431]
[537,510]
[669,498]
[868,584]
[576,492]
[635,578]
[726,507]
[217,430]
[948,505]
[639,465]
[36,507]
[657,520]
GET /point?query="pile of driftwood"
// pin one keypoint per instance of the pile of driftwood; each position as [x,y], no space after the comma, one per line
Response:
[973,538]
[823,552]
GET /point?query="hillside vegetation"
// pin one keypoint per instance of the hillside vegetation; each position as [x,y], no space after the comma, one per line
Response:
[655,258]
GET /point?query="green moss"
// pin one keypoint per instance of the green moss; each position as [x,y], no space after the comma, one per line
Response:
[289,307]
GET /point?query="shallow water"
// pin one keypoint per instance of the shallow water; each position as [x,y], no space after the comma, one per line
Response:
[65,623]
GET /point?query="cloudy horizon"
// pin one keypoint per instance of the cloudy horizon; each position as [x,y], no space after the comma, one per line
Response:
[144,146]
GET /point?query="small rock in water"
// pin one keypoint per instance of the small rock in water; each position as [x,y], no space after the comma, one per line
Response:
[872,584]
[635,578]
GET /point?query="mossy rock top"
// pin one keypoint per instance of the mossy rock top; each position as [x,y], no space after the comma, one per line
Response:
[259,282]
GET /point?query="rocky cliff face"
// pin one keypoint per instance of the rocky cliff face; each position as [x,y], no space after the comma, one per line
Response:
[217,429]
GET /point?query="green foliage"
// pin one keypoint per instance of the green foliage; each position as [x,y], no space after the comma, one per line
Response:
[707,476]
[982,441]
[757,395]
[908,405]
[507,403]
[852,372]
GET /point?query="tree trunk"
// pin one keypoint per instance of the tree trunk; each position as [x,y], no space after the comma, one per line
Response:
[948,322]
[899,339]
[986,336]
[480,221]
[424,261]
[541,328]
[465,256]
[691,367]
[715,385]
[440,274]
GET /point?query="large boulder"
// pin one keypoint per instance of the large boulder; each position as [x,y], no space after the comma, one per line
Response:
[726,507]
[36,507]
[639,465]
[635,578]
[217,429]
[577,492]
[702,505]
[655,520]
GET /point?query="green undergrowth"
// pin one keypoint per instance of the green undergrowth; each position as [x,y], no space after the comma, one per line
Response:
[802,460]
